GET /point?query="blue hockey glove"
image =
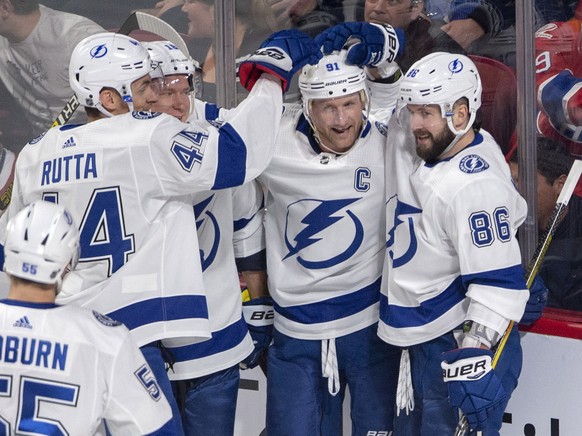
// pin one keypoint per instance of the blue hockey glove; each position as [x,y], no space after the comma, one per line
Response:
[258,314]
[282,54]
[474,387]
[538,298]
[375,45]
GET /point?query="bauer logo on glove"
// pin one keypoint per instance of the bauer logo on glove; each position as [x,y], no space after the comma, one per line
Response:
[472,368]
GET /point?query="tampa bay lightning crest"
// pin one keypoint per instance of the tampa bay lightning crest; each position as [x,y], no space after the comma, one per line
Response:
[145,115]
[208,245]
[473,164]
[404,229]
[321,234]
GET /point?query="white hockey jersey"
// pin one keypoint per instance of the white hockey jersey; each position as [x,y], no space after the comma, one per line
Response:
[230,342]
[324,231]
[63,369]
[451,248]
[127,181]
[228,223]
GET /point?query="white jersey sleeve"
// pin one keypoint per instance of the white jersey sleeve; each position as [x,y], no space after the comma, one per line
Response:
[249,214]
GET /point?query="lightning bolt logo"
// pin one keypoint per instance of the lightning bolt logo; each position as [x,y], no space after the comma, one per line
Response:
[203,214]
[98,51]
[455,66]
[322,217]
[472,164]
[400,210]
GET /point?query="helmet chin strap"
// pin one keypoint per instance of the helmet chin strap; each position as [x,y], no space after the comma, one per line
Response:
[458,133]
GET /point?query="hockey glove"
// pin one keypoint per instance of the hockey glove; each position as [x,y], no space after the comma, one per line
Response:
[474,387]
[282,54]
[258,314]
[375,45]
[538,297]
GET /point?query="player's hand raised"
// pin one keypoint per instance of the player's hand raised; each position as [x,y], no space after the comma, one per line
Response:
[282,54]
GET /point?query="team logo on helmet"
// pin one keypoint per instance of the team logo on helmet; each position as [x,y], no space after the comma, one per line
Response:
[98,51]
[455,66]
[473,164]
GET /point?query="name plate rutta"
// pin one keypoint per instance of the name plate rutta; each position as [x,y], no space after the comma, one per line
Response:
[72,168]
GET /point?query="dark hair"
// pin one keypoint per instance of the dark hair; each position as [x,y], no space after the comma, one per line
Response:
[24,7]
[553,159]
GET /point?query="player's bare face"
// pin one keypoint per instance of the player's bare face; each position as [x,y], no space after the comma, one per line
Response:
[338,121]
[174,97]
[200,18]
[431,131]
[144,94]
[397,13]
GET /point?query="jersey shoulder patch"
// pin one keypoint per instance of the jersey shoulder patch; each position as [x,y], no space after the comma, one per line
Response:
[382,128]
[472,164]
[69,127]
[37,139]
[105,320]
[145,115]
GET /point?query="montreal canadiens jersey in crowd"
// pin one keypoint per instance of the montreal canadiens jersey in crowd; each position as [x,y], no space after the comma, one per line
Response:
[229,225]
[451,248]
[64,368]
[324,231]
[559,82]
[127,181]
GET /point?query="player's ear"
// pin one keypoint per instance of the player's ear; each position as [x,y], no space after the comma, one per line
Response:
[6,8]
[110,100]
[559,184]
[461,113]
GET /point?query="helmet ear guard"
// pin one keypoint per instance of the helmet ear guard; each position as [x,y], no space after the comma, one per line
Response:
[42,242]
[107,60]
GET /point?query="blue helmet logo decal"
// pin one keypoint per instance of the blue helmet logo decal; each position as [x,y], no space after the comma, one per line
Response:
[98,51]
[455,66]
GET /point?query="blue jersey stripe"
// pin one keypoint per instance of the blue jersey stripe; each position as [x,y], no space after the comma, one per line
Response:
[157,310]
[222,340]
[507,278]
[428,311]
[211,111]
[334,308]
[232,159]
[510,278]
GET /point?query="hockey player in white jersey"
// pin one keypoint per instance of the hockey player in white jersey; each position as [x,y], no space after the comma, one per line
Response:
[453,264]
[127,177]
[65,369]
[207,374]
[325,248]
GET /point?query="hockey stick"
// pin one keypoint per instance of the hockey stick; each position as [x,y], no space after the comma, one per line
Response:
[136,21]
[534,265]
